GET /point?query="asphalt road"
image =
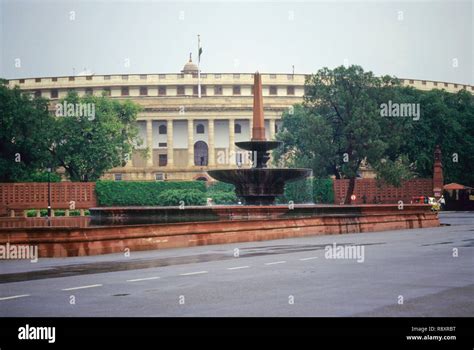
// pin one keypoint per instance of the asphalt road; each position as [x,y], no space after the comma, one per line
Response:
[421,272]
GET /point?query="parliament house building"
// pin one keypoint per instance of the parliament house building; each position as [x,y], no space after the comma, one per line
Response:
[187,134]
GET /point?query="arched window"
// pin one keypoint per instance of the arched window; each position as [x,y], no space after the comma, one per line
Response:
[200,129]
[162,129]
[238,129]
[200,153]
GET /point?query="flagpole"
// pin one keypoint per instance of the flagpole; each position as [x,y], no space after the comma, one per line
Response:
[199,69]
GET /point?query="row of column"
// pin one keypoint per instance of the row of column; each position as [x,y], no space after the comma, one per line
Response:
[211,137]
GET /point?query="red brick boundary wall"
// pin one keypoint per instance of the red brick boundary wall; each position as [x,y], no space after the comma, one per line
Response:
[17,197]
[74,241]
[384,194]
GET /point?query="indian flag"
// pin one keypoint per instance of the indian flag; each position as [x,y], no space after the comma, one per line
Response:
[199,48]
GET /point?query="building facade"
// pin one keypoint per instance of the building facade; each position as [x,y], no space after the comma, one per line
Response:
[187,135]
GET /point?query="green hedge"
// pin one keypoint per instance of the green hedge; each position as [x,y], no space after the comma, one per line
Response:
[31,213]
[221,197]
[178,197]
[125,193]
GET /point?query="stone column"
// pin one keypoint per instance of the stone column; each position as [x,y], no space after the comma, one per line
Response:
[149,141]
[169,142]
[272,129]
[232,141]
[190,142]
[211,135]
[438,179]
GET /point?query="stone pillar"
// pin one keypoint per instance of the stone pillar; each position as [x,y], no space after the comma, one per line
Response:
[169,142]
[231,157]
[210,138]
[149,141]
[190,142]
[438,180]
[272,129]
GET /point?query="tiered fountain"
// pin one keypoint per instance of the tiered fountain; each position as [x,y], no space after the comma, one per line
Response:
[259,185]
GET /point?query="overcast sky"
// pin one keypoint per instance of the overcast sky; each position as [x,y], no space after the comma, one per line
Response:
[430,40]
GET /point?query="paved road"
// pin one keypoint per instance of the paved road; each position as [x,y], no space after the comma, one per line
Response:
[403,273]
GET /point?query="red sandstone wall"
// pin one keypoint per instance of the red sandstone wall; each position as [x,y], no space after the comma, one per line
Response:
[34,195]
[384,194]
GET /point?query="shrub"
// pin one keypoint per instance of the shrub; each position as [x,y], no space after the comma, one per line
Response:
[220,197]
[118,193]
[175,197]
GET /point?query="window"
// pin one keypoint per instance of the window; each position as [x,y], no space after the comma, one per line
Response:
[273,76]
[124,77]
[217,90]
[89,91]
[143,91]
[162,159]
[89,77]
[236,90]
[106,77]
[251,90]
[159,176]
[276,128]
[194,75]
[162,144]
[143,76]
[54,93]
[290,76]
[161,76]
[200,129]
[236,76]
[446,84]
[435,83]
[54,79]
[273,90]
[71,78]
[162,90]
[118,177]
[125,91]
[423,82]
[203,76]
[237,128]
[37,93]
[290,90]
[107,92]
[180,90]
[162,129]
[22,81]
[203,90]
[455,86]
[181,76]
[37,80]
[412,81]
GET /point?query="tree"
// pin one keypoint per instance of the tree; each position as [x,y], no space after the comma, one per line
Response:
[307,141]
[25,132]
[87,145]
[348,101]
[447,119]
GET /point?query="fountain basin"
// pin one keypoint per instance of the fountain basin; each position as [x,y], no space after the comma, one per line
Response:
[257,186]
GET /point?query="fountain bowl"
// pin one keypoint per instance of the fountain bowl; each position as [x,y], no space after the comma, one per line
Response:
[259,186]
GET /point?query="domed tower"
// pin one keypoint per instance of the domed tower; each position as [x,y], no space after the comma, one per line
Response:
[190,67]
